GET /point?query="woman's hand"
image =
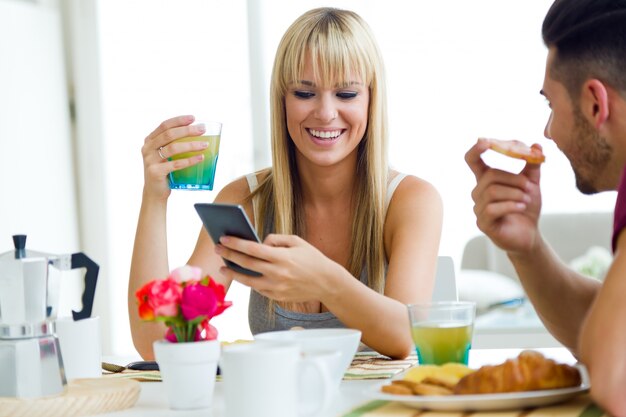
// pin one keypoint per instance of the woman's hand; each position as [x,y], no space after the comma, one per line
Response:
[506,205]
[292,269]
[160,145]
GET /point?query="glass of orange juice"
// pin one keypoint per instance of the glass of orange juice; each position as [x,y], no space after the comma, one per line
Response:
[442,331]
[201,175]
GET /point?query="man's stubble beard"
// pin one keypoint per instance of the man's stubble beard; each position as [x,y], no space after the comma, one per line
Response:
[593,155]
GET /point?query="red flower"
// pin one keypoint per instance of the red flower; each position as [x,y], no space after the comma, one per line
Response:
[146,311]
[220,293]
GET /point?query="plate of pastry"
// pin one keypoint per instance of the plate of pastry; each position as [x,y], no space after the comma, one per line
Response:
[530,380]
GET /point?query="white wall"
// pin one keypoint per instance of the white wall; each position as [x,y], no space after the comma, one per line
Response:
[36,172]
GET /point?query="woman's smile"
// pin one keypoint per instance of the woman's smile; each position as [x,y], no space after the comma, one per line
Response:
[326,136]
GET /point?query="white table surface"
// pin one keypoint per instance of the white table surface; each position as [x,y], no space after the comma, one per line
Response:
[505,328]
[153,402]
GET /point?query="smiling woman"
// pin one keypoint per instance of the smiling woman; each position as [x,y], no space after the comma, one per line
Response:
[338,250]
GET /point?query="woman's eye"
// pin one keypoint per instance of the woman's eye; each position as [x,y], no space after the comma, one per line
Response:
[347,94]
[303,94]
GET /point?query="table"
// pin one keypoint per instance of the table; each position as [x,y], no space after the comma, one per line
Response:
[512,328]
[153,402]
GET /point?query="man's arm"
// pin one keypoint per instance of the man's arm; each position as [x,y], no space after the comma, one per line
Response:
[507,208]
[602,341]
[561,297]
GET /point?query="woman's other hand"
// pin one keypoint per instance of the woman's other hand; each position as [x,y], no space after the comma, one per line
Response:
[293,269]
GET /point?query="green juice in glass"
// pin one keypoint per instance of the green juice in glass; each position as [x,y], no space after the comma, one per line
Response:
[437,343]
[199,176]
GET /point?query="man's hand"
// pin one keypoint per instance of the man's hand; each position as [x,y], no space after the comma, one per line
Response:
[506,205]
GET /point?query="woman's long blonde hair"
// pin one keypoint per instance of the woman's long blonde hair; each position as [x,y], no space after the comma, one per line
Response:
[340,45]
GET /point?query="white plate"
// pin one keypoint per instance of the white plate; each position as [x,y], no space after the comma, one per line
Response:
[484,402]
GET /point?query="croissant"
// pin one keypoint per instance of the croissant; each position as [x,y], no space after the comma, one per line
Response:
[530,371]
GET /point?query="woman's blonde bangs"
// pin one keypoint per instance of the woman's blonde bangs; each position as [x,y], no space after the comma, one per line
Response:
[338,56]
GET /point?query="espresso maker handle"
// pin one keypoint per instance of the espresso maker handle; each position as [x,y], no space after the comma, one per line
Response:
[80,260]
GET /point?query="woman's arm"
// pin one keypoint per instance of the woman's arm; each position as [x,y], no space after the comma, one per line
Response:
[150,259]
[295,271]
[412,234]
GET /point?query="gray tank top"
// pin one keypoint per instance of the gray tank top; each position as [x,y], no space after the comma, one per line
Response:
[259,318]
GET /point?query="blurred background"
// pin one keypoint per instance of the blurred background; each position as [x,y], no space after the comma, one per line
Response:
[83,82]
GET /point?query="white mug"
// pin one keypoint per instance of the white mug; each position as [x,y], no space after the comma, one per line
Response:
[80,346]
[265,379]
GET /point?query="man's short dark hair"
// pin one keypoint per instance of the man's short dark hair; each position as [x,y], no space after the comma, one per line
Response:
[590,41]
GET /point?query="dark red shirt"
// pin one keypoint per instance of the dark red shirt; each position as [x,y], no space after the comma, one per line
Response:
[619,217]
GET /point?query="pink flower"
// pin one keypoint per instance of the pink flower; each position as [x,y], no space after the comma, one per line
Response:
[205,332]
[198,300]
[165,297]
[186,273]
[170,336]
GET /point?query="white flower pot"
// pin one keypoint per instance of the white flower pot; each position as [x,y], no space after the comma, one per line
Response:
[188,371]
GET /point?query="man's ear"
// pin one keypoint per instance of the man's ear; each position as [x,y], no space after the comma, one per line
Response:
[595,102]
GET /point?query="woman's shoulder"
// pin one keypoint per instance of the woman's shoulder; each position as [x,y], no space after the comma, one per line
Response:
[410,183]
[408,193]
[414,202]
[239,190]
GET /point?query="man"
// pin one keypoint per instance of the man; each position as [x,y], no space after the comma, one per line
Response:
[585,84]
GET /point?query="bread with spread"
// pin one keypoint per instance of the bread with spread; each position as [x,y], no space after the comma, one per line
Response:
[530,371]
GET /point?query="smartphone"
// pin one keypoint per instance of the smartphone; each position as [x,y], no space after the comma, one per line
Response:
[143,366]
[150,366]
[231,220]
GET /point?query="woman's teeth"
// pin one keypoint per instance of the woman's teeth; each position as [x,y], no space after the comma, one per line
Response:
[332,134]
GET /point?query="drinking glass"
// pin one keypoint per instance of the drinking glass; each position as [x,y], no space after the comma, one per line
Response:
[201,175]
[442,331]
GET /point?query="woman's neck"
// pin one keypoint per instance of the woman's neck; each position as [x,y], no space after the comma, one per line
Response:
[323,186]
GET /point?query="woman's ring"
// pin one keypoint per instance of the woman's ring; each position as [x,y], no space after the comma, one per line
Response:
[160,154]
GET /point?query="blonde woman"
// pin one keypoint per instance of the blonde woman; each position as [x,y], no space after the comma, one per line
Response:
[346,241]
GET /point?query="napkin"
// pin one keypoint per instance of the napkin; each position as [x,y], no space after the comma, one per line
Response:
[365,365]
[141,376]
[371,365]
[581,406]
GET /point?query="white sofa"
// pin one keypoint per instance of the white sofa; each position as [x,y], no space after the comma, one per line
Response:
[569,234]
[488,277]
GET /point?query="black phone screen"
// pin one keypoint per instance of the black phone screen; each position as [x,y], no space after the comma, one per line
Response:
[227,220]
